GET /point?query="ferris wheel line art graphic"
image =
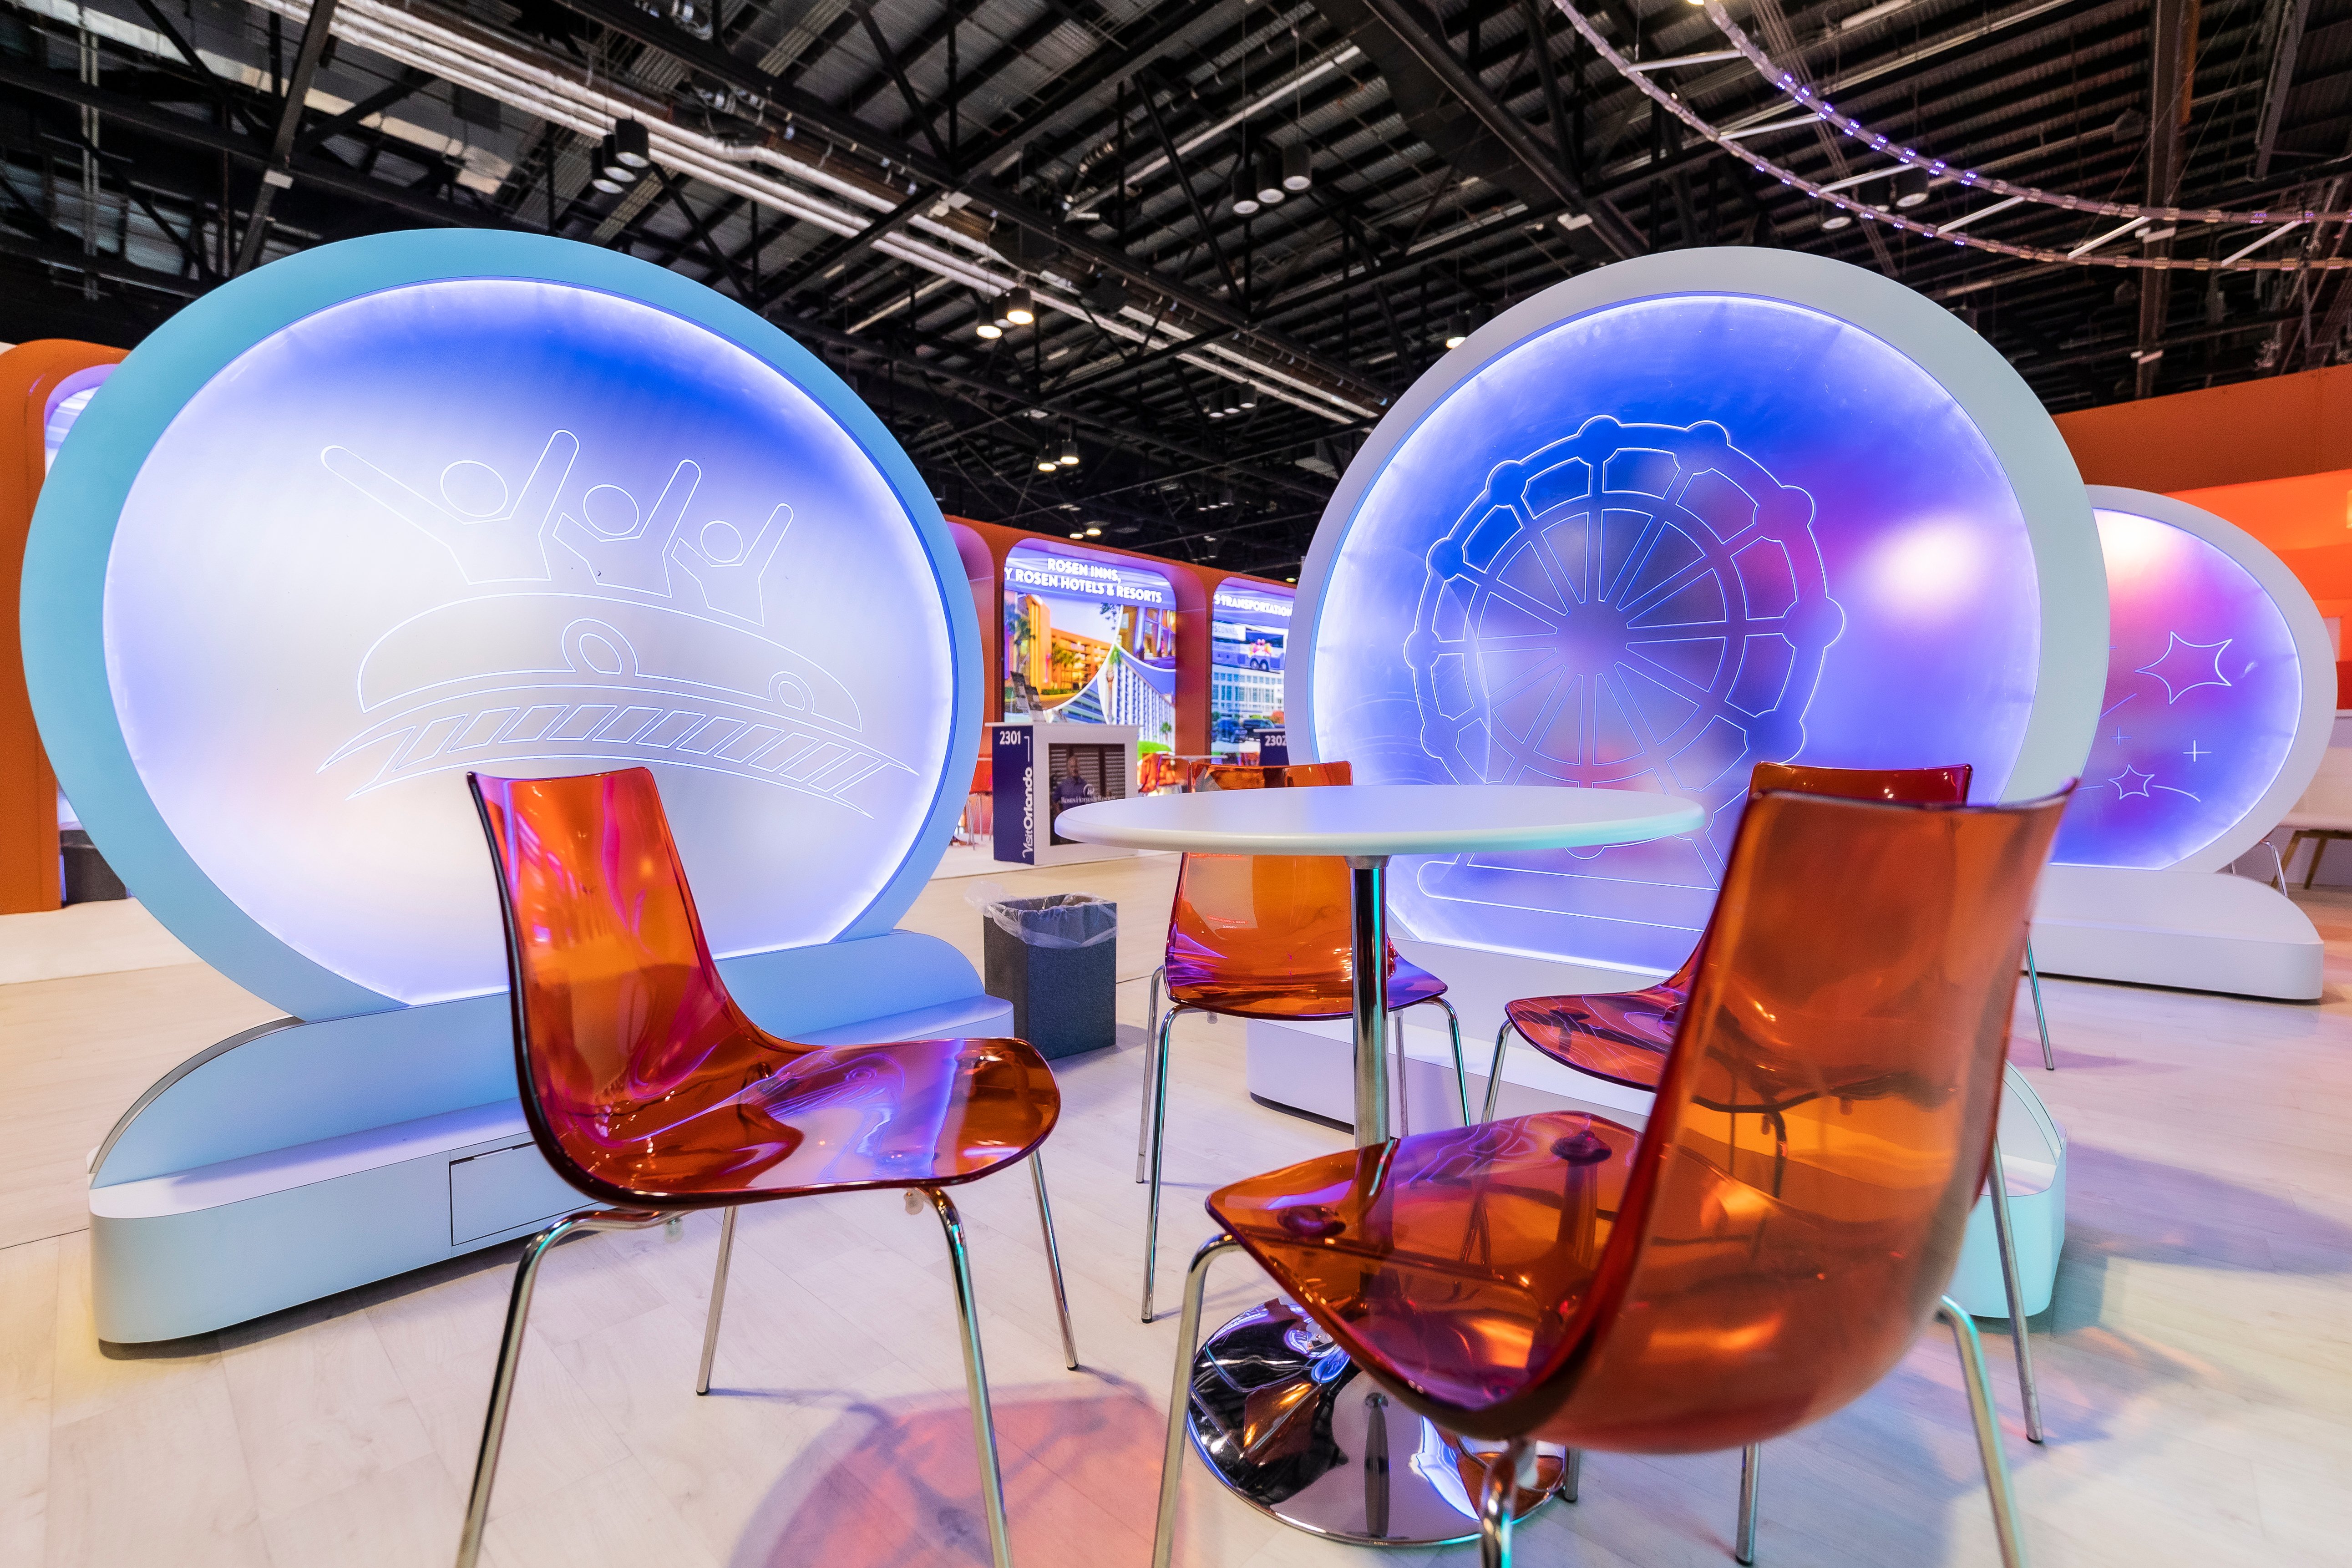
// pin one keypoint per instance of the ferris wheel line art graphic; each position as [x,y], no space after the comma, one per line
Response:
[1636,606]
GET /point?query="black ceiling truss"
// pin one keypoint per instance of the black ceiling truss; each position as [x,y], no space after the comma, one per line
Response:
[1467,154]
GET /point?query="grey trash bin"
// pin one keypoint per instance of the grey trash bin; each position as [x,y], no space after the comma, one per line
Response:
[1056,960]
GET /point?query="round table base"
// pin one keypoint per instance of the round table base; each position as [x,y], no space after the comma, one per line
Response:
[1281,1415]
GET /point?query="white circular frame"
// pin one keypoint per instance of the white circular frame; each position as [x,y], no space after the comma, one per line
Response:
[2315,723]
[2072,571]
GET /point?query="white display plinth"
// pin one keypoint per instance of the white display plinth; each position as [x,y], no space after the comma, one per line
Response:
[1306,1067]
[2197,930]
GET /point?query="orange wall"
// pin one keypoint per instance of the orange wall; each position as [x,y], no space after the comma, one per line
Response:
[28,790]
[2274,427]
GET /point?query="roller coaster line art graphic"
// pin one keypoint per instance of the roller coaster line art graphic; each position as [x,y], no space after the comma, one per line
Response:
[1637,606]
[598,630]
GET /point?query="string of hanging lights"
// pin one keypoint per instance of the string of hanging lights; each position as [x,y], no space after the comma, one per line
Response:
[1639,76]
[1935,168]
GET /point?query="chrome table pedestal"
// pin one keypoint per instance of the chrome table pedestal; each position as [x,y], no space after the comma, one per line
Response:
[1282,1417]
[1280,1414]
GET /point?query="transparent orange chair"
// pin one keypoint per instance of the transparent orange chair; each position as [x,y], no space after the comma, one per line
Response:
[648,1089]
[1772,1243]
[1264,936]
[1622,1036]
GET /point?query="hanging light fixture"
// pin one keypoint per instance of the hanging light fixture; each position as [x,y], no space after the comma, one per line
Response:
[1069,455]
[1298,167]
[1457,330]
[1246,399]
[1094,530]
[989,331]
[611,165]
[1834,221]
[1046,463]
[1215,408]
[1270,192]
[1245,200]
[1019,308]
[631,145]
[1910,186]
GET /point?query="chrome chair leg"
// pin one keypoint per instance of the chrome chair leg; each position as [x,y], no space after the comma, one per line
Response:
[1461,1073]
[1751,1466]
[1495,1071]
[1053,1261]
[2278,866]
[1494,1504]
[717,1302]
[1571,1475]
[2028,1392]
[1158,1138]
[975,1375]
[1400,1089]
[2040,1019]
[502,1382]
[1143,1125]
[1179,1399]
[1996,1463]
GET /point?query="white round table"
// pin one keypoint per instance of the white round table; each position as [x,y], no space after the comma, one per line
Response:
[1276,1352]
[1366,824]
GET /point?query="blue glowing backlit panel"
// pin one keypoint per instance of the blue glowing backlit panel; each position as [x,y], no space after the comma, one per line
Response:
[2204,691]
[1249,629]
[527,528]
[1650,547]
[66,401]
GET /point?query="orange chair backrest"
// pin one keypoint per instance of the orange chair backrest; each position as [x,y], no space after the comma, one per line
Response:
[1916,786]
[621,1024]
[1274,921]
[1796,1204]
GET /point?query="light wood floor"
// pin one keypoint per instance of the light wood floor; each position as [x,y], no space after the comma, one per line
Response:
[2197,1364]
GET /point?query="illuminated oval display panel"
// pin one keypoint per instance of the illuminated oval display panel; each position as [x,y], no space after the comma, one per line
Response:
[1651,546]
[527,528]
[2204,693]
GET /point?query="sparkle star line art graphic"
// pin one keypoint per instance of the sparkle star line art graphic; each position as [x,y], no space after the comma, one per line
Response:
[2131,782]
[595,628]
[2185,665]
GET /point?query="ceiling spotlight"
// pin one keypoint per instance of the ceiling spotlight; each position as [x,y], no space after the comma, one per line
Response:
[1215,408]
[598,181]
[1069,455]
[1836,220]
[1018,308]
[1077,536]
[990,331]
[1094,530]
[1046,464]
[1298,167]
[631,145]
[1270,191]
[1910,187]
[611,165]
[1245,200]
[1457,330]
[1246,399]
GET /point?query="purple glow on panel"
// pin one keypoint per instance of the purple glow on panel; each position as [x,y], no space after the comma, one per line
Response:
[2204,691]
[1651,546]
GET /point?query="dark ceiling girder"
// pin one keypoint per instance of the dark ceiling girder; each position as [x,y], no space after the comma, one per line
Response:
[2172,52]
[320,174]
[914,109]
[1506,128]
[315,33]
[2286,18]
[845,248]
[1191,197]
[626,18]
[188,51]
[411,81]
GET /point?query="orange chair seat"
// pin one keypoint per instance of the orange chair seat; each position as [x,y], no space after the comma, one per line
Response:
[1622,1036]
[1436,1260]
[905,1113]
[1206,979]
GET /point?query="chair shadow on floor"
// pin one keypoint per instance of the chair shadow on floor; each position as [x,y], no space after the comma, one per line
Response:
[895,1484]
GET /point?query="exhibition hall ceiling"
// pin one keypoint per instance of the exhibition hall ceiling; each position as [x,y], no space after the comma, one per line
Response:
[876,176]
